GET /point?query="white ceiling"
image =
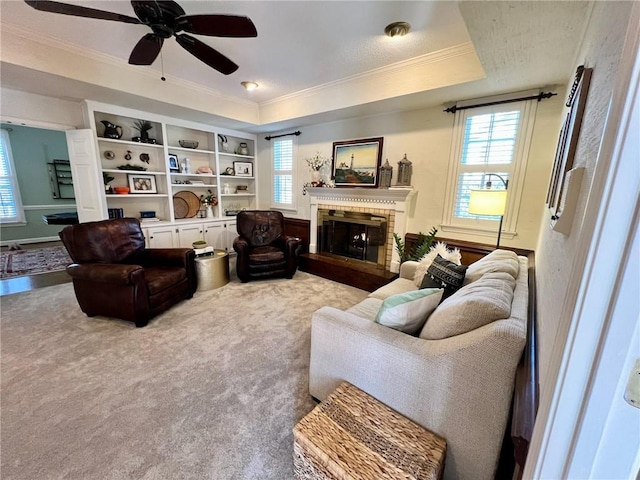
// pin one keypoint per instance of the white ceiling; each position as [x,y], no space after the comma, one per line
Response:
[306,47]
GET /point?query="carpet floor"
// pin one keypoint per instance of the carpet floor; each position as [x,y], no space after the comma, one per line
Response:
[208,390]
[17,263]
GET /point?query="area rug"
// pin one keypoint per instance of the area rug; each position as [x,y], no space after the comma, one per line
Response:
[17,263]
[210,389]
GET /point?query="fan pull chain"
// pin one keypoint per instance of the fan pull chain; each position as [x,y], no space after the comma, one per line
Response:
[162,67]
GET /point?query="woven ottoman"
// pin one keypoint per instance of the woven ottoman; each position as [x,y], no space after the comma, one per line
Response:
[350,435]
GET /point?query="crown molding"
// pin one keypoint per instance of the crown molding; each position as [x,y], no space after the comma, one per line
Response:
[398,68]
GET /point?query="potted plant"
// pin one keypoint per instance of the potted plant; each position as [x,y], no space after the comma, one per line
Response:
[422,247]
[106,178]
[208,201]
[143,126]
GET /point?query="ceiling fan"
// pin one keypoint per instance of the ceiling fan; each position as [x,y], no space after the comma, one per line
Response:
[167,19]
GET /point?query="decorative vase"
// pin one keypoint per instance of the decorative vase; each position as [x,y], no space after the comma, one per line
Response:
[315,176]
[209,211]
[243,149]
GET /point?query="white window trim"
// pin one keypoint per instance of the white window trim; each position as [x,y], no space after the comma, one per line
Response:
[479,226]
[20,218]
[292,207]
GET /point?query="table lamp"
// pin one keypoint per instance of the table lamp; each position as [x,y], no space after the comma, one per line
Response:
[489,202]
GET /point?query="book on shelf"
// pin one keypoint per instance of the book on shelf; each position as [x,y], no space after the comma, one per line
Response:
[149,220]
[115,212]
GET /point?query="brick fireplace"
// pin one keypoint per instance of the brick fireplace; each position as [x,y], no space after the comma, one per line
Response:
[374,207]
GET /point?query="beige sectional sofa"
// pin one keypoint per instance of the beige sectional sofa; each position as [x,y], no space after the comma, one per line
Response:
[455,378]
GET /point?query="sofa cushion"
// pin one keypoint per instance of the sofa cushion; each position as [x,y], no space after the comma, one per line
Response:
[444,274]
[441,249]
[474,305]
[407,312]
[497,261]
[368,308]
[399,285]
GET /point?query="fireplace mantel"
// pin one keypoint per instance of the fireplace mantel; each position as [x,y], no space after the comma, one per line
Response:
[388,199]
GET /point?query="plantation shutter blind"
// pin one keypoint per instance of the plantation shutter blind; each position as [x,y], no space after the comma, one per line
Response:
[10,205]
[488,147]
[283,172]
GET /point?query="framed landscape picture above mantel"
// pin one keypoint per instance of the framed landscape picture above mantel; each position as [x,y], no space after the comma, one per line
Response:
[356,162]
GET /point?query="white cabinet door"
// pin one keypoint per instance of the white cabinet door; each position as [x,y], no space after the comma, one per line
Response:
[213,234]
[87,184]
[161,237]
[230,234]
[187,234]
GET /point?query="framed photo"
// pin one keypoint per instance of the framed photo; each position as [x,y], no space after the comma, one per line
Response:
[356,162]
[243,169]
[568,139]
[142,183]
[174,166]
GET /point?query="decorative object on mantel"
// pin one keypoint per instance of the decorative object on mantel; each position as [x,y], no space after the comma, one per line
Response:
[405,170]
[320,184]
[386,172]
[356,162]
[317,163]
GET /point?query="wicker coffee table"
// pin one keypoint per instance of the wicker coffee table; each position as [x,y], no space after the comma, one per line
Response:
[350,435]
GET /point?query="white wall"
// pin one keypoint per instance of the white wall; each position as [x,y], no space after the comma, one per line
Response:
[557,269]
[425,136]
[38,109]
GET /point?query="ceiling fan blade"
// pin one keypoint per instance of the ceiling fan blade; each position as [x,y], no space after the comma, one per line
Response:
[218,25]
[78,11]
[208,55]
[146,50]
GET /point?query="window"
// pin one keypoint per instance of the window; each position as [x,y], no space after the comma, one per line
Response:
[10,203]
[488,140]
[283,173]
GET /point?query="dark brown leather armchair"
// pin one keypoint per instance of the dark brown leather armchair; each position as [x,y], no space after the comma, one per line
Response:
[116,276]
[263,248]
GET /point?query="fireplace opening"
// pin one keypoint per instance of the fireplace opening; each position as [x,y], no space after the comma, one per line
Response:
[355,235]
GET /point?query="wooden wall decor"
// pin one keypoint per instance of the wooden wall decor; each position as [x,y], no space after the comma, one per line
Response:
[568,140]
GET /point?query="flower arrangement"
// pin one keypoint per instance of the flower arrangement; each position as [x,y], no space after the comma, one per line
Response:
[209,199]
[317,162]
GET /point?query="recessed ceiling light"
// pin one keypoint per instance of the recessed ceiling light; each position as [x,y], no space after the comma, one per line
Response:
[397,29]
[249,85]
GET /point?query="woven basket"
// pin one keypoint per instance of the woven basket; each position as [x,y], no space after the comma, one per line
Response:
[351,435]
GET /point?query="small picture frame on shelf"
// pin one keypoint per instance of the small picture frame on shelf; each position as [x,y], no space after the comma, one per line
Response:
[142,183]
[174,166]
[243,169]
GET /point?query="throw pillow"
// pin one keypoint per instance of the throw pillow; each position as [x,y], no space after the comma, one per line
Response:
[407,312]
[497,261]
[441,249]
[444,274]
[474,305]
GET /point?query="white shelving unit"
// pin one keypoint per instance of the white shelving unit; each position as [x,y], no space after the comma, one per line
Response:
[212,165]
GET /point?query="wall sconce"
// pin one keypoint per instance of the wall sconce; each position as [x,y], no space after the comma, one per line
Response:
[490,202]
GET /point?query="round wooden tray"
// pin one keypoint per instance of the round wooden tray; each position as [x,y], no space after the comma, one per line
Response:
[180,208]
[192,201]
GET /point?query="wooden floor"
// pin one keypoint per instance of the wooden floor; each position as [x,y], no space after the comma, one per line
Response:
[31,282]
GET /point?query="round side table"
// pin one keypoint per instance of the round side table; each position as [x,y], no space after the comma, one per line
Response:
[212,271]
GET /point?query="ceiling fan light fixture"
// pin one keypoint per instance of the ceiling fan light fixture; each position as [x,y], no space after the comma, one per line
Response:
[397,29]
[249,85]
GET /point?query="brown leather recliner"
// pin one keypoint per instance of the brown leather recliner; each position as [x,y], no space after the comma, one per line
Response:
[114,275]
[263,248]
